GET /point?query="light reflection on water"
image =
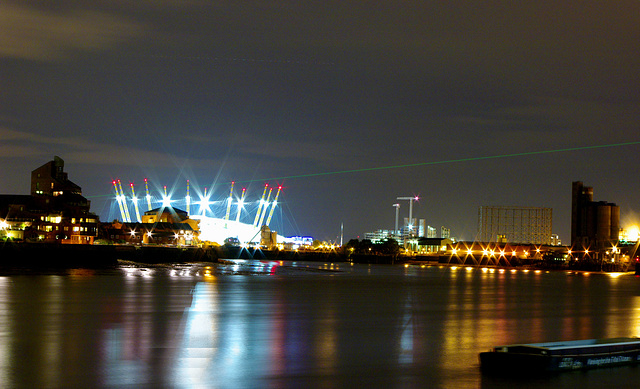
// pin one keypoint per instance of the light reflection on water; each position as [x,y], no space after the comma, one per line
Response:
[289,324]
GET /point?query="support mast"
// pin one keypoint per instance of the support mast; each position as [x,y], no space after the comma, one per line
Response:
[124,203]
[135,202]
[188,198]
[148,196]
[229,201]
[273,207]
[240,204]
[255,221]
[264,209]
[119,199]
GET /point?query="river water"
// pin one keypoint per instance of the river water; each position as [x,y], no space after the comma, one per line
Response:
[252,324]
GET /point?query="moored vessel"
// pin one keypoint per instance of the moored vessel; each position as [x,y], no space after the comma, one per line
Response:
[560,356]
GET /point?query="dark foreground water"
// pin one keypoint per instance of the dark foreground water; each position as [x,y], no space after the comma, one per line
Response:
[280,325]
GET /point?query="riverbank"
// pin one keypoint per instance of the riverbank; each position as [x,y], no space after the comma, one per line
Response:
[46,256]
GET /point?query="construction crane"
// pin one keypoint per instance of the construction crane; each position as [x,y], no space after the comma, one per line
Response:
[411,200]
[124,203]
[255,221]
[397,207]
[264,209]
[240,204]
[135,202]
[273,207]
[146,185]
[229,201]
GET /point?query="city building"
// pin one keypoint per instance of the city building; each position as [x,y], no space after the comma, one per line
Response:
[432,245]
[595,225]
[521,225]
[54,212]
[160,226]
[380,235]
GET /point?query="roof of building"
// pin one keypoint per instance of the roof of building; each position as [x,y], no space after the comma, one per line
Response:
[422,241]
[169,209]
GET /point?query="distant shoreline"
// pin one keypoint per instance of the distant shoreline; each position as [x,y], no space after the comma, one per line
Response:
[37,256]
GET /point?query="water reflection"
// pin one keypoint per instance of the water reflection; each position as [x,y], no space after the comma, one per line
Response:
[283,324]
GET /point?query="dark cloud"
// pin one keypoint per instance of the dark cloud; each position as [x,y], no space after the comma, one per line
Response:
[33,33]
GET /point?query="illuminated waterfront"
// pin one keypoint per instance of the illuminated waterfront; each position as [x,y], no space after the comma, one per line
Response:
[281,324]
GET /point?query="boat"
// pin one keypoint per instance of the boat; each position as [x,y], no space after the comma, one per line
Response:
[561,356]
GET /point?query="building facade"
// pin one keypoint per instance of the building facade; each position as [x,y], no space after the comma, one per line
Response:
[54,212]
[522,225]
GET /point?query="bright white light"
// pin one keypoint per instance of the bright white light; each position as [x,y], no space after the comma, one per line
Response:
[633,233]
[166,201]
[217,230]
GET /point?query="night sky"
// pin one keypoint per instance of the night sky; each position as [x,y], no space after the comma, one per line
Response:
[346,104]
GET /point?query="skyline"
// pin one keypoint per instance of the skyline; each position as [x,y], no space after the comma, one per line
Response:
[347,106]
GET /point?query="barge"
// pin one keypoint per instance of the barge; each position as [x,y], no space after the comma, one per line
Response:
[561,356]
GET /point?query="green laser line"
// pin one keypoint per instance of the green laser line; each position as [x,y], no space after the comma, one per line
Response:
[446,161]
[434,162]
